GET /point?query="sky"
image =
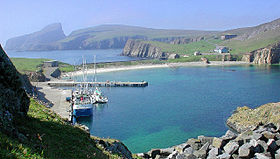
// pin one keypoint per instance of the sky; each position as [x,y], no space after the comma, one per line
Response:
[19,17]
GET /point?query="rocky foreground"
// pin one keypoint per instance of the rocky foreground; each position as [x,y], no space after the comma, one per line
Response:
[255,133]
[261,143]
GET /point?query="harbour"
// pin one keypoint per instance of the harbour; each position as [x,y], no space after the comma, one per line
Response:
[99,84]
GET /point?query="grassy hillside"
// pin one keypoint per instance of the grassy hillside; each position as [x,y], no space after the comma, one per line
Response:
[190,48]
[252,38]
[49,136]
[259,41]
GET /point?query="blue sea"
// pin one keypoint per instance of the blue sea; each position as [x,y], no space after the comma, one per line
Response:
[179,103]
[75,56]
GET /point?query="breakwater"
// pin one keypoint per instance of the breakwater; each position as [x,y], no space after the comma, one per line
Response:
[100,84]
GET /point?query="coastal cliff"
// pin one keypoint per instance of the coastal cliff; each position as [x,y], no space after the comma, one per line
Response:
[14,102]
[85,43]
[139,48]
[267,55]
[99,37]
[44,39]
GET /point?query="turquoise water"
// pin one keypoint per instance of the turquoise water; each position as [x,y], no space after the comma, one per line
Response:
[179,103]
[75,56]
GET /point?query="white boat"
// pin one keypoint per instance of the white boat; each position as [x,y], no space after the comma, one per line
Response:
[99,98]
[97,94]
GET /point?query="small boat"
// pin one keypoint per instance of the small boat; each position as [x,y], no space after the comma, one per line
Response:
[98,96]
[68,99]
[82,105]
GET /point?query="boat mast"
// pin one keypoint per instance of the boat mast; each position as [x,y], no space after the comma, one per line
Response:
[94,60]
[86,76]
[83,84]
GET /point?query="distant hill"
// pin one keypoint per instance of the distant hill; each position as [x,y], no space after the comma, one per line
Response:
[103,37]
[44,39]
[247,40]
[115,36]
[252,38]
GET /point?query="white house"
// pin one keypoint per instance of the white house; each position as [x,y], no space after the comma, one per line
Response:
[221,49]
[197,53]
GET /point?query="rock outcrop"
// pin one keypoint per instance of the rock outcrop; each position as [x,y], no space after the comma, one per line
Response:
[42,40]
[261,142]
[14,102]
[247,57]
[205,60]
[139,48]
[173,56]
[244,118]
[115,147]
[267,55]
[37,76]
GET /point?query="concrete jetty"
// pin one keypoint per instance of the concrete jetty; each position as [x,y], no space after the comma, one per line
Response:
[100,84]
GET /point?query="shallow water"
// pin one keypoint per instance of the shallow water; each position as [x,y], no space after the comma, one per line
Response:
[179,103]
[75,56]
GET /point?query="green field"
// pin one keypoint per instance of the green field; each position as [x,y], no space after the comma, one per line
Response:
[49,136]
[27,64]
[24,65]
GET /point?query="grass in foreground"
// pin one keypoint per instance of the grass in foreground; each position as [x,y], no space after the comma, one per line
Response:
[49,136]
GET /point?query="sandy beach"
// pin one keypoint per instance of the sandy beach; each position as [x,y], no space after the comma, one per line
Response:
[151,66]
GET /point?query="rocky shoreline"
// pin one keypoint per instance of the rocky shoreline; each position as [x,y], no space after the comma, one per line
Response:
[261,143]
[254,133]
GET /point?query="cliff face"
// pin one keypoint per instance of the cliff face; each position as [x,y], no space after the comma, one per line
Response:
[267,55]
[138,48]
[14,102]
[178,40]
[42,40]
[84,43]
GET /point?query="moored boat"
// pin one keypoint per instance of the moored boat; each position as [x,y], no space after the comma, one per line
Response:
[82,105]
[98,96]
